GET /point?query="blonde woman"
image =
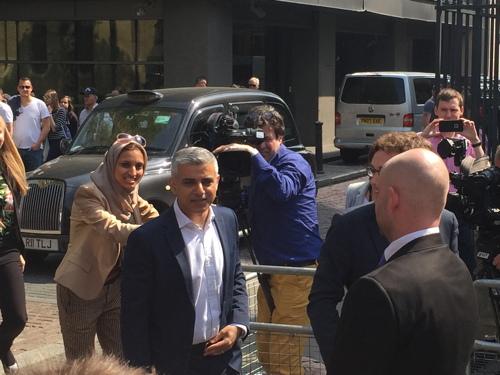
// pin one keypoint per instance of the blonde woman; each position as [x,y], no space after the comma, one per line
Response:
[12,298]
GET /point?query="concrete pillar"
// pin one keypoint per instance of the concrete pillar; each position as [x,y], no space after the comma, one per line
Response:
[198,41]
[313,80]
[402,47]
[326,78]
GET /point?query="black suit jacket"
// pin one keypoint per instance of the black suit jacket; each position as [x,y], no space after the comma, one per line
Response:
[158,315]
[417,314]
[353,248]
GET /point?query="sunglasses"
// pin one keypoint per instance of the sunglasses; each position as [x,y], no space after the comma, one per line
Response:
[24,87]
[264,115]
[46,97]
[124,137]
[252,85]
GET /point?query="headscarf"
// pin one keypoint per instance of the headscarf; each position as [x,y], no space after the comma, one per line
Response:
[121,201]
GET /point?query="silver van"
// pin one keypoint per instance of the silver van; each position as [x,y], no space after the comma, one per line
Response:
[371,104]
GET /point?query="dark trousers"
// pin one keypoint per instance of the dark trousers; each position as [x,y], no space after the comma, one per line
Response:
[466,245]
[210,365]
[32,159]
[12,306]
[54,149]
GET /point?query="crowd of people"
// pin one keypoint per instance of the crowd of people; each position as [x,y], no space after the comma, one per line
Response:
[166,293]
[38,126]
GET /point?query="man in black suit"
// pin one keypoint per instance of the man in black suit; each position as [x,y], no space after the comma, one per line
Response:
[184,300]
[354,245]
[417,313]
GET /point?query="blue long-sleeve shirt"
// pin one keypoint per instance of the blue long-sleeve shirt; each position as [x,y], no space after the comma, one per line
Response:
[282,208]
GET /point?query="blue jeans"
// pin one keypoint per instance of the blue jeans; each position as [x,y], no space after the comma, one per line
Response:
[32,159]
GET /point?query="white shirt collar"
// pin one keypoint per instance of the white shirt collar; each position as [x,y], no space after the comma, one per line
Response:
[395,245]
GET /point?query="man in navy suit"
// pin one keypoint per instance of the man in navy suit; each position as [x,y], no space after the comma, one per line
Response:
[354,245]
[417,313]
[184,299]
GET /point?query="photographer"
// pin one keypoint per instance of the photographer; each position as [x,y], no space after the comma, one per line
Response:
[284,223]
[450,106]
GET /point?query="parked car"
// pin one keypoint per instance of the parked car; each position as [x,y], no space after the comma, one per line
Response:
[374,103]
[169,119]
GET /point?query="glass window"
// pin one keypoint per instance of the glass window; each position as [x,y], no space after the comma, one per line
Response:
[158,126]
[69,55]
[374,90]
[423,89]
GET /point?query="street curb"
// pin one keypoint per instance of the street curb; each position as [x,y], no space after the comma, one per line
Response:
[327,181]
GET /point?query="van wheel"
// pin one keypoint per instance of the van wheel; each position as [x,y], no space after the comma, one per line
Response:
[350,155]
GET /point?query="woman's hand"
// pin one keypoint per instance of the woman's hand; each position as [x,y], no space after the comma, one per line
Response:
[23,262]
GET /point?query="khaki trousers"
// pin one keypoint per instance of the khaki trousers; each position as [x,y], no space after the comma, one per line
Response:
[279,353]
[81,320]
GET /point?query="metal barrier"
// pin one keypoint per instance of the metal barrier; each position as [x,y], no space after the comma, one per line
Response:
[311,360]
[485,358]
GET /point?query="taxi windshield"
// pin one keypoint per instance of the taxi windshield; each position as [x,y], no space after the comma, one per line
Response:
[158,126]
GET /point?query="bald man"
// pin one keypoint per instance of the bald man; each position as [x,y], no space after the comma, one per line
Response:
[416,313]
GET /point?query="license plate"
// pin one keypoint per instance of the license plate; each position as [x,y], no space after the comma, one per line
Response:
[371,121]
[33,243]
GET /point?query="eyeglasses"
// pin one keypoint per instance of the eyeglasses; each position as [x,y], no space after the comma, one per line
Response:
[370,171]
[46,97]
[24,87]
[264,115]
[124,137]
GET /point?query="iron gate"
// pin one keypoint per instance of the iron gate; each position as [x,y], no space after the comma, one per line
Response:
[467,59]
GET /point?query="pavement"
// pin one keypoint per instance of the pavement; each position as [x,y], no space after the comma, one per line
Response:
[41,339]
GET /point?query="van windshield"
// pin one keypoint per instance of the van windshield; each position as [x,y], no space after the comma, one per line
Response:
[374,90]
[158,126]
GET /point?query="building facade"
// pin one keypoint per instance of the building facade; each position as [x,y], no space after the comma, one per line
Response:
[299,49]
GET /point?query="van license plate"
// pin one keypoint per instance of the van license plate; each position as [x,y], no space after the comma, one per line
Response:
[48,244]
[371,121]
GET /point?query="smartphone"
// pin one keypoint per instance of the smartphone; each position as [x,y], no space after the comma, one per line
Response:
[451,126]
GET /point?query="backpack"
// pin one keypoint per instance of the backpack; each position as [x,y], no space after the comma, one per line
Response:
[15,104]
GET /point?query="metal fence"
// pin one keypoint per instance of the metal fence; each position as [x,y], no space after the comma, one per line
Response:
[485,358]
[311,360]
[467,59]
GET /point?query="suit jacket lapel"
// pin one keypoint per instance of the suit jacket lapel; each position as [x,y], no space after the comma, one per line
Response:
[380,242]
[173,237]
[221,230]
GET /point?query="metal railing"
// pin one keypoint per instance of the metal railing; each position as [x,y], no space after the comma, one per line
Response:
[485,358]
[311,359]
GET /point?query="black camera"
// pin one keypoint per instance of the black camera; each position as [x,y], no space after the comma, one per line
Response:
[222,129]
[456,147]
[477,201]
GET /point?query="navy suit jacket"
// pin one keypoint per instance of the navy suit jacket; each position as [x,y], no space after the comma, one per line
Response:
[352,249]
[158,315]
[415,315]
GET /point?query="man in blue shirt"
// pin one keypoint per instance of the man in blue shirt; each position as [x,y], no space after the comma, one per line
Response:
[284,222]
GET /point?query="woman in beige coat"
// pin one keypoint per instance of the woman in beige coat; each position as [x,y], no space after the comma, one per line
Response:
[105,211]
